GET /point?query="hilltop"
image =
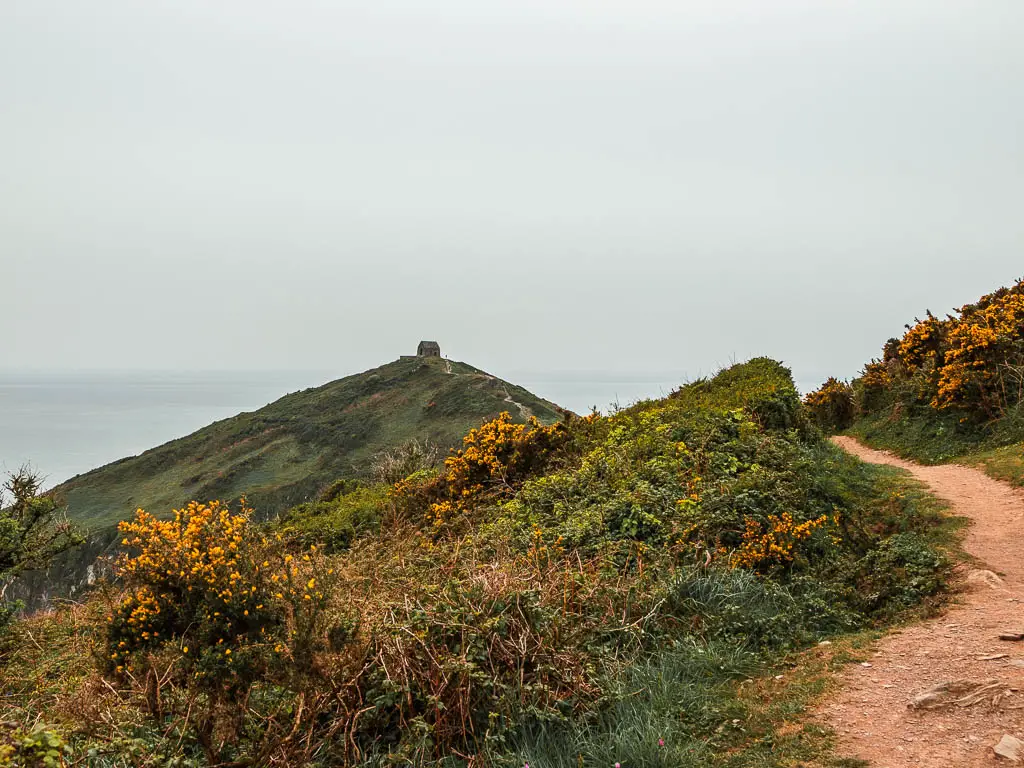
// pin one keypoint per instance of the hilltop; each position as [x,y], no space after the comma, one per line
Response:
[289,450]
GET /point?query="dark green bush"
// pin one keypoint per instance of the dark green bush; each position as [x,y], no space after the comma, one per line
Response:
[899,573]
[33,531]
[335,524]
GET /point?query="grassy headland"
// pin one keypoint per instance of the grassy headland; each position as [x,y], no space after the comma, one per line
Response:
[290,450]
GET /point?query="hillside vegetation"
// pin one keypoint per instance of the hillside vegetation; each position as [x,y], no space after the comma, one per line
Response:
[950,388]
[291,449]
[582,593]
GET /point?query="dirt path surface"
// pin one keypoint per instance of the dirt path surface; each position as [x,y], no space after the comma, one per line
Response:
[871,713]
[526,412]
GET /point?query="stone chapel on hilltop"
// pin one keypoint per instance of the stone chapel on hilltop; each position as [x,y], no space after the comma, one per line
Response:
[428,349]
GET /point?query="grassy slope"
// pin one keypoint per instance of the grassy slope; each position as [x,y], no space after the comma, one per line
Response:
[285,452]
[1006,463]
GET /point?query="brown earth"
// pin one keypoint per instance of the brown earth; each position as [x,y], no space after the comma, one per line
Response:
[871,713]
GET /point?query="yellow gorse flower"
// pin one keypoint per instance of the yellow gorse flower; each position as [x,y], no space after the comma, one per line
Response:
[774,545]
[492,458]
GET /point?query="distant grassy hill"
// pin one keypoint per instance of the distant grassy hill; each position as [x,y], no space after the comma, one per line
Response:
[282,454]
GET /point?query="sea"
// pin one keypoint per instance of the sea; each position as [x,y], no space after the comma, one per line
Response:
[64,424]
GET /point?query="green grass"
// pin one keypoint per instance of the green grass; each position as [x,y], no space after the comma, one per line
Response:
[1006,463]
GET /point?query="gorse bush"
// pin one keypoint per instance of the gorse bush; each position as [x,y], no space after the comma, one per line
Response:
[211,605]
[493,461]
[948,386]
[832,405]
[776,543]
[969,363]
[983,352]
[201,578]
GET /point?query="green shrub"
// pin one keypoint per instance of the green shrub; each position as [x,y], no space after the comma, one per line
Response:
[900,572]
[336,522]
[38,747]
[33,530]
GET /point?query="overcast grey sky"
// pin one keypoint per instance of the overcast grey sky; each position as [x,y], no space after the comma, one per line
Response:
[540,184]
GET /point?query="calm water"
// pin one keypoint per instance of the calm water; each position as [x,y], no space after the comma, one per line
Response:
[64,425]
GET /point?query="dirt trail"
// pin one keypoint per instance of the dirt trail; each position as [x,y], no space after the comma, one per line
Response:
[526,412]
[871,714]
